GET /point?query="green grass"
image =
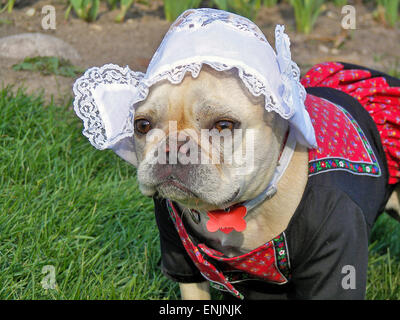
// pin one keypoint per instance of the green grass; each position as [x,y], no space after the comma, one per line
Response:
[306,13]
[49,65]
[65,204]
[173,8]
[390,10]
[8,5]
[87,10]
[384,260]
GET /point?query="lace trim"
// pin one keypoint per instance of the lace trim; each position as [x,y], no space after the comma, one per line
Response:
[253,83]
[94,127]
[290,72]
[193,19]
[291,97]
[86,108]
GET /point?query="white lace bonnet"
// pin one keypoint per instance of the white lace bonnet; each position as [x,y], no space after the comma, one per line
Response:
[105,97]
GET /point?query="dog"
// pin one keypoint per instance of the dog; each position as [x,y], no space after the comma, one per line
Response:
[305,236]
[207,189]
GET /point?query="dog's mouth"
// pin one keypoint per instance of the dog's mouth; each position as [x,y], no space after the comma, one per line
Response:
[231,200]
[173,186]
[174,189]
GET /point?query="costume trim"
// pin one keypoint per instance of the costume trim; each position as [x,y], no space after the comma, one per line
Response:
[268,262]
[342,144]
[377,92]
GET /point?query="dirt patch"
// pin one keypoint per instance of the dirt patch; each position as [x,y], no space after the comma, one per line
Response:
[134,41]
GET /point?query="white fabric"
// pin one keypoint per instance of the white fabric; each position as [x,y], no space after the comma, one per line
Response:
[217,38]
[103,100]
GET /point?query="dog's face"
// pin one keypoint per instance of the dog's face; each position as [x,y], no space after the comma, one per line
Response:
[179,148]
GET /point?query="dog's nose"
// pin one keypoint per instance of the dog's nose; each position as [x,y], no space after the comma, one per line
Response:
[172,164]
[173,148]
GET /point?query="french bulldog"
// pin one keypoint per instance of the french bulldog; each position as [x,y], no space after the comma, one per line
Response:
[260,187]
[219,101]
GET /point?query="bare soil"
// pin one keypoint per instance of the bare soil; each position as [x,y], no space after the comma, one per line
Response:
[134,41]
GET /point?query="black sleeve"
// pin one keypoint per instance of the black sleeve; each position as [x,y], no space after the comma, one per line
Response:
[333,260]
[175,262]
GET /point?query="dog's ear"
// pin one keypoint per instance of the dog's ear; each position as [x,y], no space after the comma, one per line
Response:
[104,99]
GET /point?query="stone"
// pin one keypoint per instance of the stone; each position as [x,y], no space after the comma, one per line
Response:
[25,45]
[331,14]
[323,49]
[30,12]
[96,27]
[335,51]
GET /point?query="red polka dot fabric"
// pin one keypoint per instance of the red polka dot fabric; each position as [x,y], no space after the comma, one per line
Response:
[378,98]
[268,262]
[260,262]
[342,144]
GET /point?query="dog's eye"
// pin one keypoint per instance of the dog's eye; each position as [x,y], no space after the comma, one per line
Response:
[224,124]
[142,126]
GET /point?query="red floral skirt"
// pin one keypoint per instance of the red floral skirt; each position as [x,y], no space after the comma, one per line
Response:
[381,100]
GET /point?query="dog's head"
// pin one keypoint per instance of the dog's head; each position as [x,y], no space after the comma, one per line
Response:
[196,124]
[206,142]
